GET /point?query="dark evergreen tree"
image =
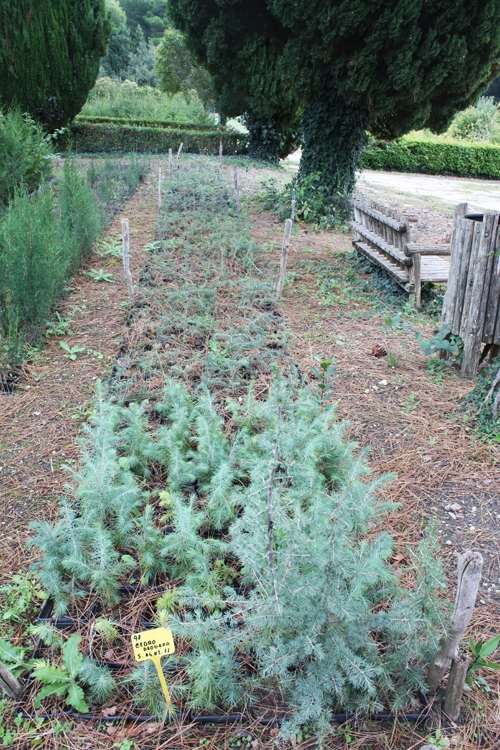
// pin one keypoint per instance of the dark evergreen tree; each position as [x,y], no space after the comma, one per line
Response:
[150,15]
[391,66]
[120,45]
[49,55]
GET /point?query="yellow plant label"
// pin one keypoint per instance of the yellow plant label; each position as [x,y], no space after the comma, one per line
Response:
[153,643]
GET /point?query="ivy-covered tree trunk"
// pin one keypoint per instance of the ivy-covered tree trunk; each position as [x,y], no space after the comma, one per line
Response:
[269,139]
[334,134]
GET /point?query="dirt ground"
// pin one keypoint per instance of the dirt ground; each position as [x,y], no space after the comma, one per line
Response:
[410,419]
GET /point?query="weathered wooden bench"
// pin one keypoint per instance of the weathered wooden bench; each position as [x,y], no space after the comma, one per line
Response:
[382,236]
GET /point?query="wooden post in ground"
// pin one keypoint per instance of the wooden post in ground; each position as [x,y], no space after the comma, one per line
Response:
[284,256]
[473,318]
[469,576]
[9,684]
[169,159]
[417,279]
[235,177]
[220,151]
[159,190]
[293,206]
[179,151]
[455,687]
[126,258]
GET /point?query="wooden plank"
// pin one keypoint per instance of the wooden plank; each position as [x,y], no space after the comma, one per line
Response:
[475,307]
[413,247]
[477,236]
[466,241]
[383,262]
[398,255]
[456,249]
[492,309]
[490,249]
[417,279]
[399,226]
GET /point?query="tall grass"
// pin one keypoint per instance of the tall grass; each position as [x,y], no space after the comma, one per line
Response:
[127,99]
[25,154]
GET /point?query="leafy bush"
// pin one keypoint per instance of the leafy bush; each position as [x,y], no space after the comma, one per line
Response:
[314,203]
[433,157]
[98,138]
[486,410]
[25,154]
[478,123]
[109,98]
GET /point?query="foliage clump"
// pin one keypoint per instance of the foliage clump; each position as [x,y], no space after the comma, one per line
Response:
[25,154]
[49,56]
[272,539]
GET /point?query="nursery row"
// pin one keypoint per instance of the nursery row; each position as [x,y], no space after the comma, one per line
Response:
[44,237]
[216,495]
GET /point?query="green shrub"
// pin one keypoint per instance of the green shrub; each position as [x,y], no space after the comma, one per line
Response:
[142,123]
[25,154]
[43,239]
[96,138]
[433,157]
[109,98]
[478,123]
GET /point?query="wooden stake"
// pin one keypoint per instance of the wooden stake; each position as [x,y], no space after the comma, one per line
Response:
[284,256]
[179,151]
[159,190]
[220,151]
[169,159]
[235,177]
[126,258]
[9,684]
[455,687]
[469,576]
[293,207]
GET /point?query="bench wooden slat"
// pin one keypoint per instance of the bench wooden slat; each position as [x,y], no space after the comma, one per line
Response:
[415,247]
[398,226]
[398,274]
[386,247]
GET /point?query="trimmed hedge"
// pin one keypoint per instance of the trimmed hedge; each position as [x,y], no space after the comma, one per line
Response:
[95,138]
[146,123]
[433,157]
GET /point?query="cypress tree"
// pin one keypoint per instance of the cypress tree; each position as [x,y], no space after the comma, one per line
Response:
[389,66]
[49,55]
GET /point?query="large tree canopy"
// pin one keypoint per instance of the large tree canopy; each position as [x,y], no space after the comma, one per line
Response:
[49,55]
[390,65]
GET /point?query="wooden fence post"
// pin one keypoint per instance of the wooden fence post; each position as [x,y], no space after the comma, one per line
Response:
[293,207]
[126,258]
[474,315]
[235,177]
[469,576]
[159,190]
[284,256]
[169,159]
[455,687]
[9,684]
[220,151]
[179,151]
